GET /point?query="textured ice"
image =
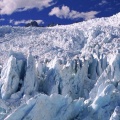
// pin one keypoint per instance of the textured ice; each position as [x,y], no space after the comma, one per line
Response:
[67,72]
[56,107]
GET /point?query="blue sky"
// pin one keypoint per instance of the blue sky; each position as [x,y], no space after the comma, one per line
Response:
[20,12]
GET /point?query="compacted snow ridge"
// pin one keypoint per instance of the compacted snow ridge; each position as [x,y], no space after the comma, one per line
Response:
[67,72]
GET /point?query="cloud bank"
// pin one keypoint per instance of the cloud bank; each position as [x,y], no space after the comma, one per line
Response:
[66,13]
[25,22]
[10,6]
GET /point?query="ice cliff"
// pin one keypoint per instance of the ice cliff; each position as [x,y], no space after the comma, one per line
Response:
[62,73]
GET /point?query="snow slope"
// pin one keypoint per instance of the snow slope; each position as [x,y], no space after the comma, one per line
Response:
[67,72]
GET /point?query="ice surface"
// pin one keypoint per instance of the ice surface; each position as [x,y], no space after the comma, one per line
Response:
[48,108]
[10,79]
[71,72]
[116,114]
[30,81]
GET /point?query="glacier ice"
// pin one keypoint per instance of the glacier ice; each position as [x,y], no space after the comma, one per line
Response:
[116,114]
[71,72]
[30,82]
[10,79]
[54,107]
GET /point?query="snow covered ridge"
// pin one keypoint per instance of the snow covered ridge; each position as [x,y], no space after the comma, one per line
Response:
[62,41]
[70,73]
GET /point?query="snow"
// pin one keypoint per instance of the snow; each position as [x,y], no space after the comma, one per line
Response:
[54,107]
[62,72]
[30,83]
[116,114]
[10,79]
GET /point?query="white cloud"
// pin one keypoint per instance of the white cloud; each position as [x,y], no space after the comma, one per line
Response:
[25,21]
[103,2]
[10,6]
[2,19]
[66,13]
[11,21]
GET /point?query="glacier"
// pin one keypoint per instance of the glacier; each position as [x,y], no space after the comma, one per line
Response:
[66,72]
